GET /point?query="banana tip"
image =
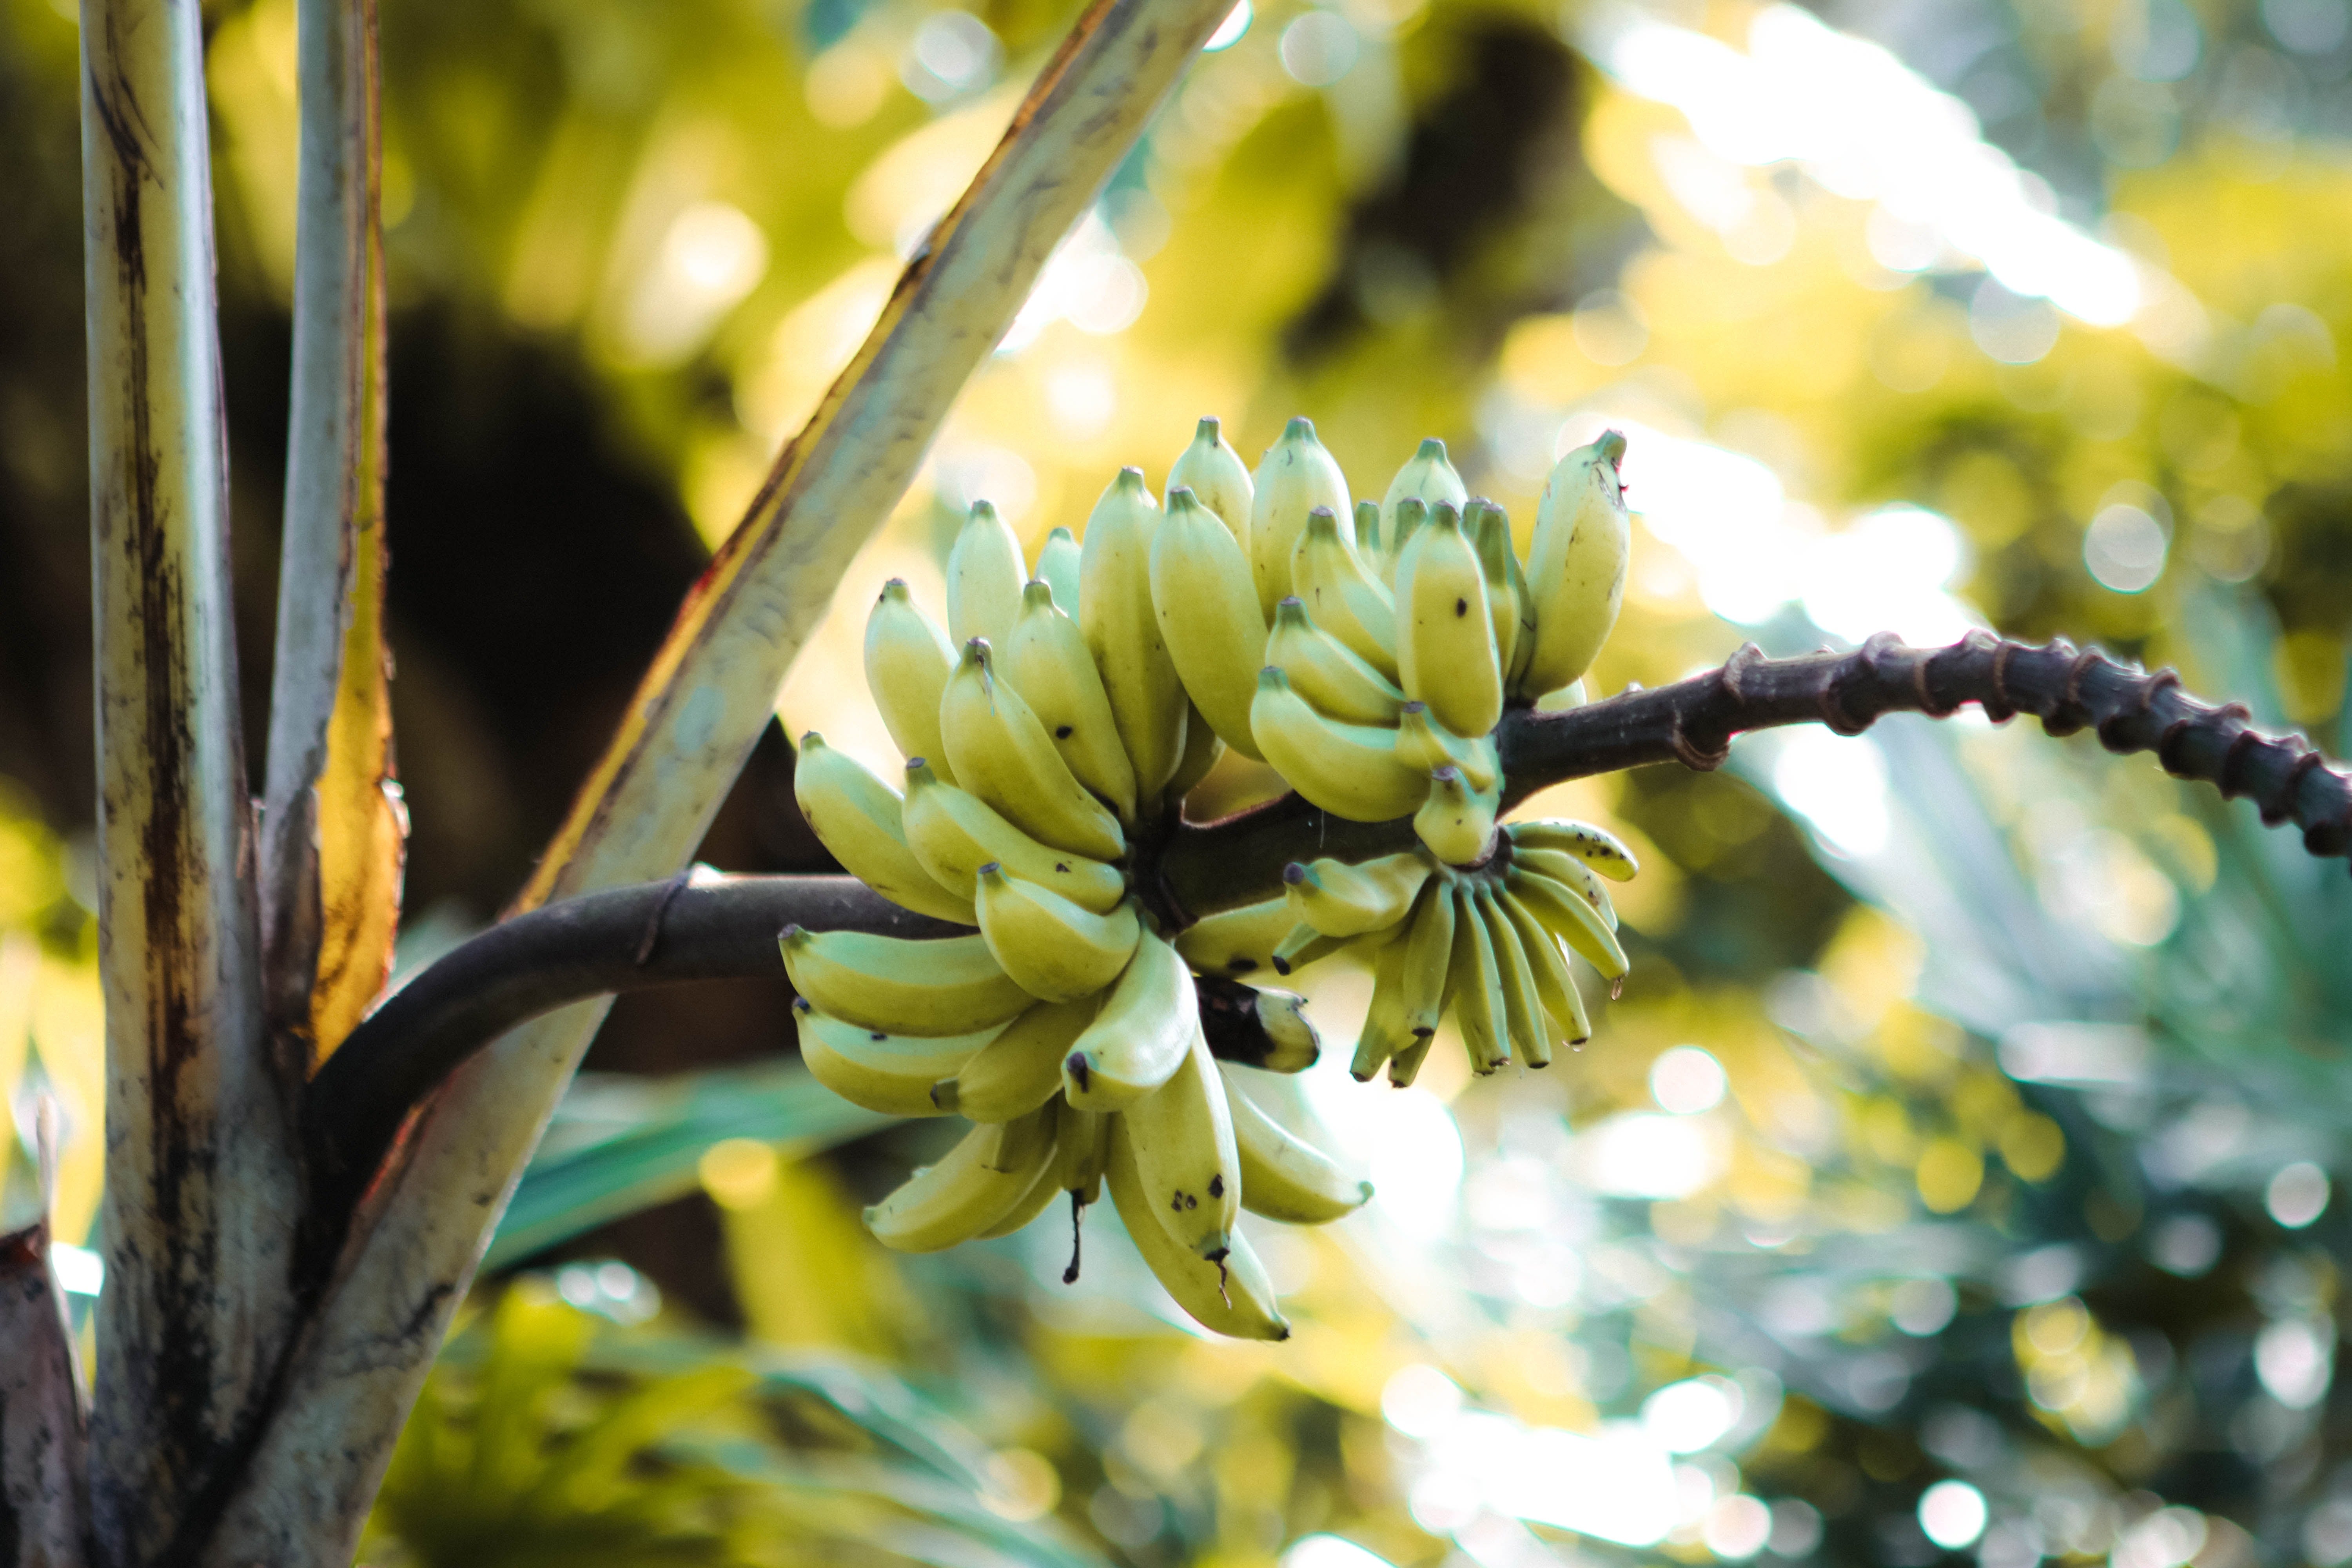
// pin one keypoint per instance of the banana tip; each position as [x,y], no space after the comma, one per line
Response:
[1612,446]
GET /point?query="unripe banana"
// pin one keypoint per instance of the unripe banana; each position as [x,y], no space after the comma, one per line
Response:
[1282,1014]
[1001,754]
[1428,477]
[1020,1069]
[1342,900]
[908,661]
[1337,683]
[1600,850]
[1182,1134]
[857,817]
[1232,1296]
[1428,952]
[1218,479]
[1387,1028]
[1478,1003]
[1576,567]
[970,1190]
[1341,595]
[1058,951]
[1295,476]
[881,1071]
[1489,529]
[944,986]
[1445,634]
[1203,747]
[1368,547]
[1138,1039]
[1303,946]
[1429,746]
[1405,1065]
[1057,563]
[1523,1016]
[1350,770]
[1283,1176]
[1555,985]
[1122,631]
[1573,874]
[1044,1188]
[953,833]
[1236,940]
[1576,923]
[1084,1152]
[1209,616]
[1410,517]
[1046,659]
[1457,824]
[984,577]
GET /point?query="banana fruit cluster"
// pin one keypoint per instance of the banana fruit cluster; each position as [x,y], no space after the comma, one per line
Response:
[1365,652]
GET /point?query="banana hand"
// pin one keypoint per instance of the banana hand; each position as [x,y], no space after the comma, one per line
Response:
[926,987]
[1001,754]
[857,817]
[1456,824]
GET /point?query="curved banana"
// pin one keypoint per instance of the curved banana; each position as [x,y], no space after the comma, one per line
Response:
[1057,563]
[1487,527]
[1573,874]
[1122,630]
[1209,616]
[1555,985]
[1283,1176]
[1001,754]
[1085,1151]
[858,818]
[1446,631]
[1576,923]
[1600,851]
[1428,745]
[1387,1027]
[1457,824]
[947,987]
[1523,1014]
[970,1190]
[1427,477]
[1232,1296]
[1342,900]
[881,1071]
[1294,478]
[1203,747]
[1217,478]
[1297,1044]
[1342,597]
[1044,1188]
[1576,566]
[984,577]
[1046,662]
[1138,1040]
[908,661]
[1326,672]
[1412,515]
[1058,951]
[1236,940]
[1479,1006]
[1302,947]
[952,833]
[1350,770]
[1428,954]
[1182,1135]
[1020,1069]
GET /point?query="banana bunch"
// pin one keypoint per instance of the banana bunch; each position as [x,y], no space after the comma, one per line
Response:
[1366,651]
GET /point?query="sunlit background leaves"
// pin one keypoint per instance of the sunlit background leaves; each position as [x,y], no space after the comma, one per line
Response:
[1955,1173]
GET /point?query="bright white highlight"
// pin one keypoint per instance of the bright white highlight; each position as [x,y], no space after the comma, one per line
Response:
[1865,126]
[1838,784]
[711,256]
[1687,1080]
[1643,1155]
[1405,1142]
[1737,1527]
[1087,283]
[2295,1359]
[2298,1194]
[80,1271]
[1952,1513]
[1329,1551]
[1683,1417]
[1229,33]
[1421,1401]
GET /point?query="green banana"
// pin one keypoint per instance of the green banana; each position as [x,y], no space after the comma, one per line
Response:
[1427,477]
[1479,1006]
[1295,476]
[1001,754]
[1523,1016]
[1412,515]
[1085,1151]
[1046,662]
[1368,531]
[1231,1295]
[1138,1038]
[1296,1043]
[1555,985]
[1489,529]
[1237,941]
[1322,670]
[1302,947]
[1044,1188]
[1350,770]
[952,833]
[1405,1065]
[945,987]
[1573,874]
[1218,479]
[1182,1135]
[1600,851]
[1579,924]
[908,661]
[858,818]
[1428,745]
[1342,900]
[1122,630]
[1343,598]
[1203,747]
[881,1071]
[1576,566]
[1057,563]
[1209,616]
[1283,1176]
[1428,951]
[1457,824]
[970,1190]
[1058,951]
[1445,633]
[1020,1069]
[984,577]
[1387,1028]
